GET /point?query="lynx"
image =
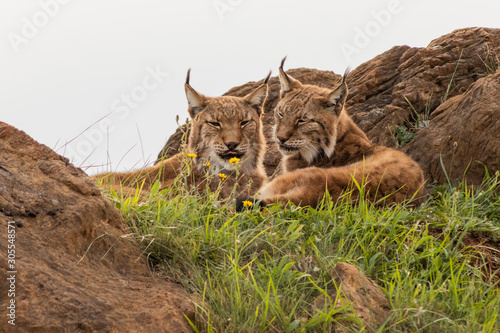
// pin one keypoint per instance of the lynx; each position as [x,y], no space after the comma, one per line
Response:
[225,148]
[324,151]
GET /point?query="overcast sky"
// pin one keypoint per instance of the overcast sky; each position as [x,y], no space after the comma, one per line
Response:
[66,64]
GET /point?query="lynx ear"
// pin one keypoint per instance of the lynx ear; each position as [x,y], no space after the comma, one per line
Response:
[196,101]
[257,98]
[336,98]
[288,83]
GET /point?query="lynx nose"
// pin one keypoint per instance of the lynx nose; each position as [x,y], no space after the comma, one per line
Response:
[232,145]
[282,139]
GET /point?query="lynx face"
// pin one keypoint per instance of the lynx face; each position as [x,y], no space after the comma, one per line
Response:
[307,117]
[222,128]
[226,127]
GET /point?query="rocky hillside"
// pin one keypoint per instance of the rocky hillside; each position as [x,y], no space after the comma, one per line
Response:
[75,268]
[438,103]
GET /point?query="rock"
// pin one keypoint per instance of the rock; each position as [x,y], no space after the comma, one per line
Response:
[464,133]
[390,90]
[361,293]
[421,77]
[78,267]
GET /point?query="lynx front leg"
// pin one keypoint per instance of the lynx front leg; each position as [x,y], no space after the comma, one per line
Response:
[305,187]
[165,172]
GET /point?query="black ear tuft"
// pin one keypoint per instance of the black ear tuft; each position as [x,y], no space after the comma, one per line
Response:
[266,80]
[283,71]
[188,76]
[282,62]
[346,73]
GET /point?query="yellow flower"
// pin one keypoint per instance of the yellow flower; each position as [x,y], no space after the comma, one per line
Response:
[247,203]
[222,176]
[199,113]
[192,155]
[208,164]
[234,160]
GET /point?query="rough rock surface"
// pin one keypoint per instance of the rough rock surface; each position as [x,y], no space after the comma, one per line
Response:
[360,292]
[391,89]
[77,271]
[462,131]
[382,89]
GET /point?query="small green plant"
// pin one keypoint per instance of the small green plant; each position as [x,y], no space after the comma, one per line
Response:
[491,61]
[420,119]
[402,135]
[448,89]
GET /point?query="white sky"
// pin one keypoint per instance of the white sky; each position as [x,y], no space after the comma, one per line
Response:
[61,73]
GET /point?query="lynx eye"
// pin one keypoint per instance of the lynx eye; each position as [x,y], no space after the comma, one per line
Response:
[300,121]
[215,124]
[244,123]
[279,114]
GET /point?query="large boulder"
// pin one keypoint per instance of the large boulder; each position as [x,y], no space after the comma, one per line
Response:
[463,134]
[388,90]
[77,267]
[400,88]
[353,290]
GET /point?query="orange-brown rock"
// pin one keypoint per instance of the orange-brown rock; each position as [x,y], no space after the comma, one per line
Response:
[382,89]
[463,133]
[354,290]
[389,90]
[78,267]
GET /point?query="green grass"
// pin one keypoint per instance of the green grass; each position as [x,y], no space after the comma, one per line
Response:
[261,271]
